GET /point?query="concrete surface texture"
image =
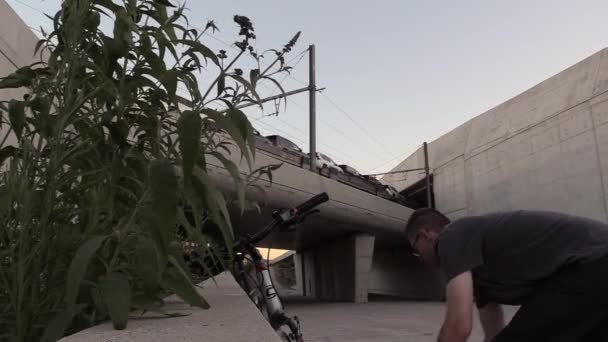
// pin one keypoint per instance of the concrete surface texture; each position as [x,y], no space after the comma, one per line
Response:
[546,148]
[338,270]
[348,211]
[337,257]
[231,318]
[376,321]
[17,44]
[396,272]
[393,271]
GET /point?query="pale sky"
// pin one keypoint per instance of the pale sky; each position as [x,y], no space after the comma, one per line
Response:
[405,71]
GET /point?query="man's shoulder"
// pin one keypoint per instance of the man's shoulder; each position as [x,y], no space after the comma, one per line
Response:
[498,216]
[495,222]
[465,222]
[461,230]
[476,222]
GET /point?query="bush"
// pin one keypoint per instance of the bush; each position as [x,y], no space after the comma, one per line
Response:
[106,161]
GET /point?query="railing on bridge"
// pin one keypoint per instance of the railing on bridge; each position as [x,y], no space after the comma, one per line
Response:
[297,159]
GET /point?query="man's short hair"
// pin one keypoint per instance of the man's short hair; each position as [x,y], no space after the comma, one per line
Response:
[425,217]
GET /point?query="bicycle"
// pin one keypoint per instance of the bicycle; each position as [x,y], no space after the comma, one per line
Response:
[253,275]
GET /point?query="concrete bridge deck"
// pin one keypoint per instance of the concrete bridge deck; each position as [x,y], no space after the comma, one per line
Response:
[350,209]
[338,249]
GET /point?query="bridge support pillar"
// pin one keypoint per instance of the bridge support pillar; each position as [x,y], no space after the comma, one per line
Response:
[396,272]
[339,270]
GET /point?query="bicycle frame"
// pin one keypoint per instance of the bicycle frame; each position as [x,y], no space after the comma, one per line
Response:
[257,282]
[253,275]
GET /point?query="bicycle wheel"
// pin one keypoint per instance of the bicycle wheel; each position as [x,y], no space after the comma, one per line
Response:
[287,328]
[287,336]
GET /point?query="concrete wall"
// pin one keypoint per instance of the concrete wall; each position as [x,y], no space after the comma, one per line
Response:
[17,44]
[546,148]
[232,317]
[397,273]
[339,270]
[349,210]
[286,276]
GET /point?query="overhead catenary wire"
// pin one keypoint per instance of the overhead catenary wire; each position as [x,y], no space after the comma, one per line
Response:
[330,147]
[301,55]
[299,58]
[337,130]
[363,129]
[234,47]
[302,141]
[179,86]
[334,104]
[28,6]
[287,134]
[384,148]
[402,157]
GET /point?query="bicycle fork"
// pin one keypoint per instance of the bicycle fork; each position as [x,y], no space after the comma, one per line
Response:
[273,302]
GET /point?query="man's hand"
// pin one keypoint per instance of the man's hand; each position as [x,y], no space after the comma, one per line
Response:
[458,321]
[492,319]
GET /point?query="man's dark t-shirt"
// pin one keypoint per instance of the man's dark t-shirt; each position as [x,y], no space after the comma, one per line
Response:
[510,253]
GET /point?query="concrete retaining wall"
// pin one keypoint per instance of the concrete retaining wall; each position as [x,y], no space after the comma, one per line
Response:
[232,317]
[17,44]
[397,273]
[546,148]
[339,270]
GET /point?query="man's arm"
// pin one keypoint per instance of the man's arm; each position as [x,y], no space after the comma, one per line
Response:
[458,321]
[492,319]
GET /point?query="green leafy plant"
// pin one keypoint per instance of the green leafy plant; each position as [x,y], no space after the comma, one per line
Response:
[99,161]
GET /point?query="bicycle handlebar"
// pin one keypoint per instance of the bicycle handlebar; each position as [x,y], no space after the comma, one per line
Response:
[313,202]
[293,213]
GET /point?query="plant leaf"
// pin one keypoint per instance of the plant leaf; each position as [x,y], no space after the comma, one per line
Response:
[254,75]
[56,327]
[169,80]
[200,48]
[236,177]
[189,131]
[147,264]
[221,84]
[195,235]
[6,152]
[22,77]
[107,4]
[78,267]
[228,124]
[278,86]
[12,82]
[16,115]
[224,218]
[243,124]
[249,87]
[116,295]
[216,204]
[176,279]
[163,183]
